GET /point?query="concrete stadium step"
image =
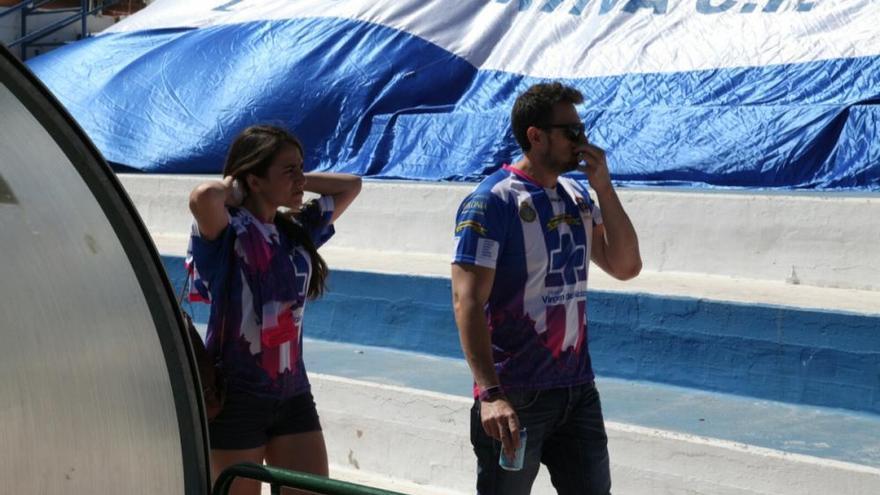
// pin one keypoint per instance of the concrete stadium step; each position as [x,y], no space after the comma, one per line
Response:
[377,480]
[679,284]
[399,420]
[422,437]
[834,434]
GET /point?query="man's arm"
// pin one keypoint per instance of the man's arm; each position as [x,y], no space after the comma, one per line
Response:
[615,245]
[471,286]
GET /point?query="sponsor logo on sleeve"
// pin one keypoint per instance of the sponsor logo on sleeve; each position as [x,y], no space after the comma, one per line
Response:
[473,225]
[474,206]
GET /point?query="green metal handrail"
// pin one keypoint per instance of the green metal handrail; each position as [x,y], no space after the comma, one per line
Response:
[278,478]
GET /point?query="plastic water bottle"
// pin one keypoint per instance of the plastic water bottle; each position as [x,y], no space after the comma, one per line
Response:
[515,463]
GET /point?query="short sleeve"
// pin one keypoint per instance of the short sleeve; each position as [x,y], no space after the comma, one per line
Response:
[597,213]
[316,216]
[207,261]
[480,230]
[582,189]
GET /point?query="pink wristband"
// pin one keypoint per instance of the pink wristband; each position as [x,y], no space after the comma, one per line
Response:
[490,392]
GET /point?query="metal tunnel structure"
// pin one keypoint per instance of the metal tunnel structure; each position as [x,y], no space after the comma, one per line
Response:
[99,390]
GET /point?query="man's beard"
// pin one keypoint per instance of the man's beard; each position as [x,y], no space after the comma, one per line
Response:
[561,167]
[567,166]
[570,167]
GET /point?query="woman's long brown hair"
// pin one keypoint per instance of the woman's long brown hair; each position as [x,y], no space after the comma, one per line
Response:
[252,152]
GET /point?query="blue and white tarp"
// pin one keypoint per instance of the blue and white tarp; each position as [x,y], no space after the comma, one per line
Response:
[749,93]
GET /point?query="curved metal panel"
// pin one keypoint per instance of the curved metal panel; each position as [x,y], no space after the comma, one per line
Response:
[98,392]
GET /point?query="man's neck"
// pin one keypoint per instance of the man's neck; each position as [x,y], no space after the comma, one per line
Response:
[538,173]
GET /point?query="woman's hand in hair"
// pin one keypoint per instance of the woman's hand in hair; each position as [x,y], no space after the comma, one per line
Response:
[208,202]
[235,192]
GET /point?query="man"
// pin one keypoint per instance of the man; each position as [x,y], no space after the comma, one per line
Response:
[524,239]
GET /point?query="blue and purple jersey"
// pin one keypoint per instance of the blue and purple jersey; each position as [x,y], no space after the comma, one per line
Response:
[260,302]
[538,242]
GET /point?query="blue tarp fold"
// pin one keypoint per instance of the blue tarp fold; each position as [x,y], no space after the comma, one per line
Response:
[375,99]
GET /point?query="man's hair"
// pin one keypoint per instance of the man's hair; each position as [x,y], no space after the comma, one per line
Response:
[534,108]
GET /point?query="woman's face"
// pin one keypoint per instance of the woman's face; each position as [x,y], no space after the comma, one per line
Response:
[284,180]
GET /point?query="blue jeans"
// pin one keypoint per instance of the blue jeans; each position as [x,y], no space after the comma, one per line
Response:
[566,433]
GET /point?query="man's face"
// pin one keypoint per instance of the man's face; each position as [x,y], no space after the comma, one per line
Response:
[565,139]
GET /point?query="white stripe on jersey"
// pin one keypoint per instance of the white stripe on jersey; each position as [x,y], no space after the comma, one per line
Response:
[571,307]
[250,330]
[284,357]
[572,323]
[572,317]
[536,260]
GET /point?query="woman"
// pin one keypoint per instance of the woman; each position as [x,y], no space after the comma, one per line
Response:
[257,265]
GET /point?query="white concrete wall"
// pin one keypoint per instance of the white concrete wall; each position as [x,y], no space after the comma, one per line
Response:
[828,241]
[422,438]
[823,240]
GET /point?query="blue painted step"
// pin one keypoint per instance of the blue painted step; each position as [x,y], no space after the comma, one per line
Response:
[786,354]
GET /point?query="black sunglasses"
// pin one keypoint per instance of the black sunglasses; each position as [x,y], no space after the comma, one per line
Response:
[572,132]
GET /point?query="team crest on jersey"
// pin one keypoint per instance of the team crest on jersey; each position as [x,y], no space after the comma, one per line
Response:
[526,212]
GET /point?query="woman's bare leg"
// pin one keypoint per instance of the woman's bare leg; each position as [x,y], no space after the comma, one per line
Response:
[222,459]
[304,452]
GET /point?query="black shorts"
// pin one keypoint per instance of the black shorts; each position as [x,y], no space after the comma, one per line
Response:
[248,422]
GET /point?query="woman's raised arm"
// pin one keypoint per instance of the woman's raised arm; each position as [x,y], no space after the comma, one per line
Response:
[342,187]
[208,202]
